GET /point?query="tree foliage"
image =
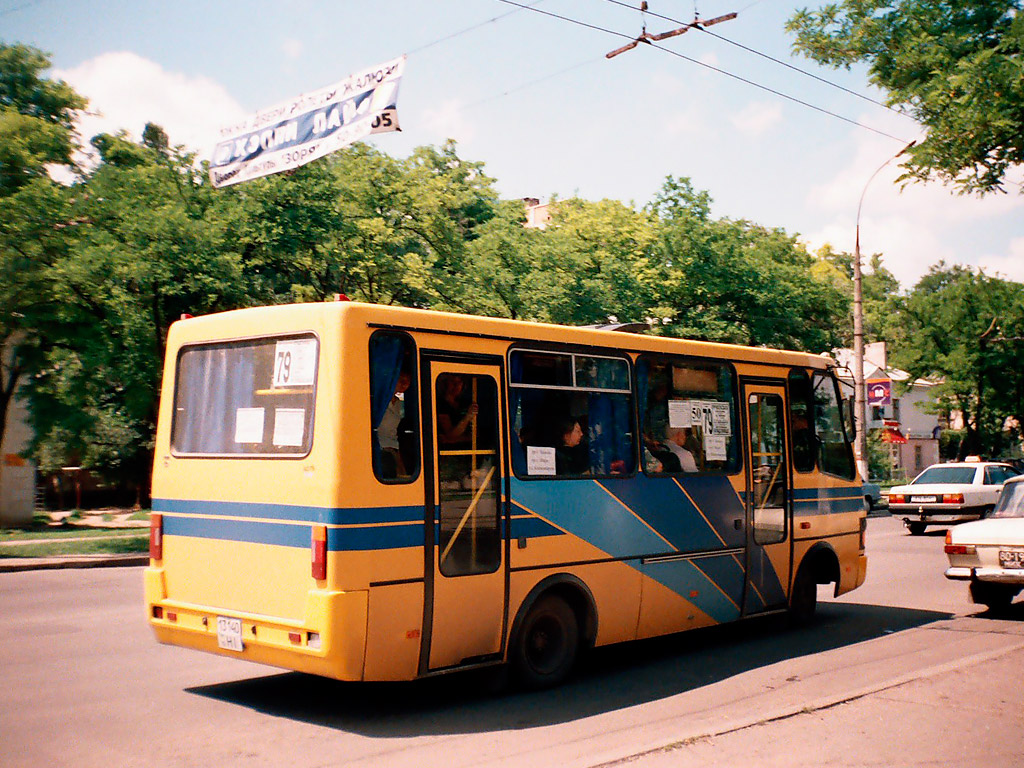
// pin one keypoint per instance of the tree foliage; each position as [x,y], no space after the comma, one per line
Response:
[957,67]
[966,330]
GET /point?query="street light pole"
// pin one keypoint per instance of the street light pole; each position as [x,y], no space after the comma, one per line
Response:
[860,393]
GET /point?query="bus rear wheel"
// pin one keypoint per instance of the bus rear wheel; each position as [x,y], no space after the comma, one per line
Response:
[546,645]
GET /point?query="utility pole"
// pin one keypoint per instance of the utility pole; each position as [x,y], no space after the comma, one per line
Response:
[859,391]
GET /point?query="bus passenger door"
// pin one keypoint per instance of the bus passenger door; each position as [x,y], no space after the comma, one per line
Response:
[465,611]
[768,498]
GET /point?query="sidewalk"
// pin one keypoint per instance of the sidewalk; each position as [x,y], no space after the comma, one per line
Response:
[118,522]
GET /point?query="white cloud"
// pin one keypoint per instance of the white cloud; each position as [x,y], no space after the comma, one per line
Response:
[757,117]
[918,225]
[1009,265]
[447,121]
[125,91]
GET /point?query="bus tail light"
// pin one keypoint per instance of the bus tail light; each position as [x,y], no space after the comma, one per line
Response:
[319,552]
[897,498]
[156,536]
[952,498]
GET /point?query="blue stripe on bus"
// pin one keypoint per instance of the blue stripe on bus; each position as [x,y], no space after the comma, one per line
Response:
[708,577]
[292,513]
[282,534]
[664,505]
[532,527]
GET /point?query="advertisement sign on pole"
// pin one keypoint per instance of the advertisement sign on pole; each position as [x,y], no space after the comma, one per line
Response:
[879,391]
[309,127]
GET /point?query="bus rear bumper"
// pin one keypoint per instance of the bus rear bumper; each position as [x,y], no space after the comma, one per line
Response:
[330,640]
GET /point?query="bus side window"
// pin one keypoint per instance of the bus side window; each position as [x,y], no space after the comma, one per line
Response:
[571,414]
[393,410]
[801,415]
[835,455]
[687,417]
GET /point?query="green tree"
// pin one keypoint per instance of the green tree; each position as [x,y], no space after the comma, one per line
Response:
[966,330]
[151,245]
[36,227]
[738,282]
[956,67]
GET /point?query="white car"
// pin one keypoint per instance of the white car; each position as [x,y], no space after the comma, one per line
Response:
[990,553]
[949,493]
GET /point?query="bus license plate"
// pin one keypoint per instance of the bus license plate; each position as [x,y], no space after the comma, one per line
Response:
[229,633]
[1011,558]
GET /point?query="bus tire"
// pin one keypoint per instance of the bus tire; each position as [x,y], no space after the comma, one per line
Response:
[804,599]
[546,645]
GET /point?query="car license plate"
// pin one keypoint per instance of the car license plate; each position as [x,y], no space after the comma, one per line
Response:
[229,633]
[921,499]
[1011,558]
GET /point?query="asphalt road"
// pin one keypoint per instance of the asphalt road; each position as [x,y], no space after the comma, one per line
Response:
[903,671]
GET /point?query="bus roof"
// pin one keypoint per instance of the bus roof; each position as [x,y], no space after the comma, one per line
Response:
[253,321]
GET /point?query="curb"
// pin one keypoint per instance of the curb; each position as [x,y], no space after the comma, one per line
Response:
[17,565]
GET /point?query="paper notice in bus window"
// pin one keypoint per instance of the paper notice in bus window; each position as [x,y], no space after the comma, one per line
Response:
[679,414]
[721,418]
[289,426]
[540,460]
[716,447]
[248,425]
[294,363]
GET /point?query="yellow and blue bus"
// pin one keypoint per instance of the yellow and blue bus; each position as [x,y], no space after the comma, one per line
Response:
[377,493]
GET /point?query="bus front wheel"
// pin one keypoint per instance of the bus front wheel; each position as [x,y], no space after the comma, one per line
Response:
[545,648]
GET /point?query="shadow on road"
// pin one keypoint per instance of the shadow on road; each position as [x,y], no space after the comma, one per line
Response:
[608,679]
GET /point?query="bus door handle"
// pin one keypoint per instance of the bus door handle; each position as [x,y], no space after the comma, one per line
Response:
[738,523]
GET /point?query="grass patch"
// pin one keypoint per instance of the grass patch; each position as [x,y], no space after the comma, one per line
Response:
[57,533]
[83,545]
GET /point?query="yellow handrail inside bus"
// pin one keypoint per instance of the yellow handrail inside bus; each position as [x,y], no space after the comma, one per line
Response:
[470,510]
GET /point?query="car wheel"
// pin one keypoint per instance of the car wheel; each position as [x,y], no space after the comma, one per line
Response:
[804,599]
[868,506]
[916,528]
[993,596]
[547,642]
[987,511]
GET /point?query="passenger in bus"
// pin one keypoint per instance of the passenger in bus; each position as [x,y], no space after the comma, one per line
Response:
[676,445]
[454,416]
[571,455]
[392,463]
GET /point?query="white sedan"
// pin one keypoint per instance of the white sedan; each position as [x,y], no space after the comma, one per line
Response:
[949,493]
[990,553]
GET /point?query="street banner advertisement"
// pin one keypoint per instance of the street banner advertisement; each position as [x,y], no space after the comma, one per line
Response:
[879,391]
[311,126]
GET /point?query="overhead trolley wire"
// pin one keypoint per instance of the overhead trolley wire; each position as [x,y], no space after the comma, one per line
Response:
[692,60]
[474,26]
[756,52]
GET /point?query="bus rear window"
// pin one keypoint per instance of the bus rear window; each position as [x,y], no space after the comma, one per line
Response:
[245,398]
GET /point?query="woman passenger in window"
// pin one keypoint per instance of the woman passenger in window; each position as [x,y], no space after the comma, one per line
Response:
[571,456]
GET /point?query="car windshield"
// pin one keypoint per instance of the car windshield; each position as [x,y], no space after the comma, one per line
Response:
[961,475]
[1011,501]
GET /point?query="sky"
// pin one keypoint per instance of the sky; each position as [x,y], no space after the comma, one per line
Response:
[534,98]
